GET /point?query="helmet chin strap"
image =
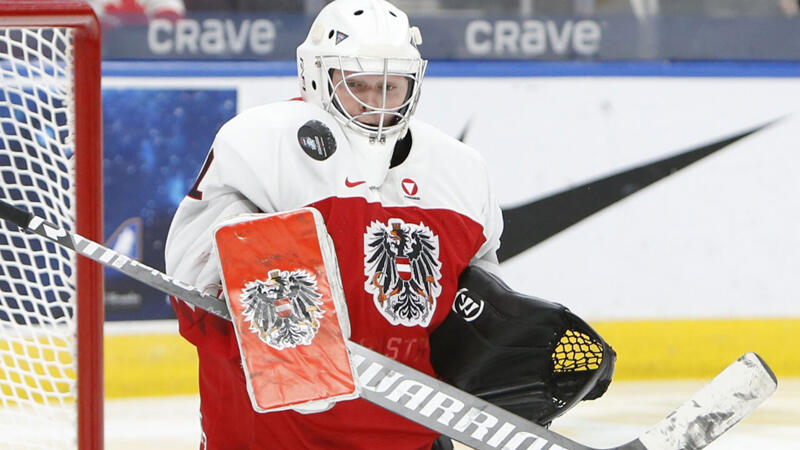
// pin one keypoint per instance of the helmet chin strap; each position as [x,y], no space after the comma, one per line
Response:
[372,156]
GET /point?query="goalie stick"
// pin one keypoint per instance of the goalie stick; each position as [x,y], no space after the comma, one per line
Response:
[728,398]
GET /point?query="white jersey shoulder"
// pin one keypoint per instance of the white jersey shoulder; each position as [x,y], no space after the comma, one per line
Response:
[449,174]
[281,156]
[240,177]
[263,131]
[440,147]
[270,121]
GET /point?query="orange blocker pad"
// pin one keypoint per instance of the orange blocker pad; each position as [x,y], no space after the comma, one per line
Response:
[285,296]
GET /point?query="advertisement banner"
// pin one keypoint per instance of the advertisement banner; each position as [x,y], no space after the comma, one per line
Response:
[275,37]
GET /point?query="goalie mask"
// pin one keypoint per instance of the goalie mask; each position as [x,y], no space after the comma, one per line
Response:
[361,64]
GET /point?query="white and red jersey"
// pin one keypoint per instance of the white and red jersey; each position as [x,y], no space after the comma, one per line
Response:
[401,246]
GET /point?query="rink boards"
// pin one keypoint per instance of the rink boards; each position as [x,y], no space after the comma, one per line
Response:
[157,362]
[681,275]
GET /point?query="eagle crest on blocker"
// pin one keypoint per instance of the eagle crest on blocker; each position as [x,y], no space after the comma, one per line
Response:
[284,310]
[403,271]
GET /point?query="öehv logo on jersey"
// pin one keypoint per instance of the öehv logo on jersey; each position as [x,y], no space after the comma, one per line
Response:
[410,188]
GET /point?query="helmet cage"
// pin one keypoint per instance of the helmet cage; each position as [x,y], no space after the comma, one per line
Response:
[351,67]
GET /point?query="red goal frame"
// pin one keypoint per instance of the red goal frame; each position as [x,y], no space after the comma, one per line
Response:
[88,193]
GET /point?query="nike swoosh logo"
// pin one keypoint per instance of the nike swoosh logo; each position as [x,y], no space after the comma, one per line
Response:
[528,225]
[352,184]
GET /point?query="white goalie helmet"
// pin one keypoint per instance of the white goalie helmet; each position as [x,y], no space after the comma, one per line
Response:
[352,40]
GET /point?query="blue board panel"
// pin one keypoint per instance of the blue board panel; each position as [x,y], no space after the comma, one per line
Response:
[155,141]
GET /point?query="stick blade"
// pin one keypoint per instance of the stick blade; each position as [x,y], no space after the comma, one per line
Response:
[727,399]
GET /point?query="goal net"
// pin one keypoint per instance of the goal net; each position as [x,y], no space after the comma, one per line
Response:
[50,341]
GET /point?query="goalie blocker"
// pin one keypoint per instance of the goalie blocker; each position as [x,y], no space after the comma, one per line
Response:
[526,355]
[284,293]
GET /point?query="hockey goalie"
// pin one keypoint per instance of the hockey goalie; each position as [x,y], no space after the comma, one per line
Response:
[290,321]
[407,210]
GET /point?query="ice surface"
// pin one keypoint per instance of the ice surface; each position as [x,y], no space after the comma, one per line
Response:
[628,409]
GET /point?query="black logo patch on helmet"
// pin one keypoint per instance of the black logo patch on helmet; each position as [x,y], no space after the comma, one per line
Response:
[316,139]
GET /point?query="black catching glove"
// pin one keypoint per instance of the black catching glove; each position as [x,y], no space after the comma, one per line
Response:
[529,356]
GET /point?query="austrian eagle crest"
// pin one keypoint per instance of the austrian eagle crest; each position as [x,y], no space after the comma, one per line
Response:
[284,310]
[403,271]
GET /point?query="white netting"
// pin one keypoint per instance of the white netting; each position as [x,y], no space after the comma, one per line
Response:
[37,278]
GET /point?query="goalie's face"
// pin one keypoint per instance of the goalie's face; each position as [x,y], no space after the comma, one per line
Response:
[370,98]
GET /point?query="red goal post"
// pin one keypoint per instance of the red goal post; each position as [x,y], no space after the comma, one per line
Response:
[51,310]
